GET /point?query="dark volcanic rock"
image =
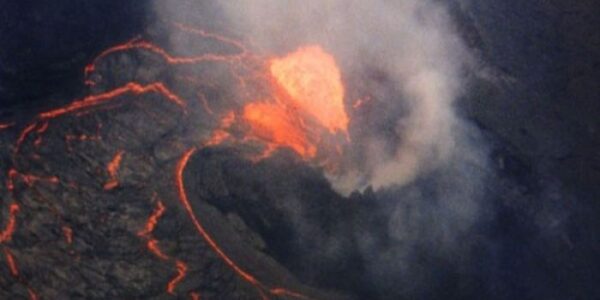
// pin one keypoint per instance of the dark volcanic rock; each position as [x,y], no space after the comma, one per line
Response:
[532,99]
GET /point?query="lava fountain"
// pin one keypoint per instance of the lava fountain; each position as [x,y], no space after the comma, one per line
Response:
[307,103]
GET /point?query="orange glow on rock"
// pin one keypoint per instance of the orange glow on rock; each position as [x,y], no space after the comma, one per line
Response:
[312,79]
[68,233]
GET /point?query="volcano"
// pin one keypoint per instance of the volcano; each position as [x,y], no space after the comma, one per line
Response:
[325,150]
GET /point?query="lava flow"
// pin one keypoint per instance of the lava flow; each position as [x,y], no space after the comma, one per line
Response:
[303,105]
[312,79]
[12,264]
[94,101]
[279,126]
[112,168]
[9,230]
[152,245]
[261,288]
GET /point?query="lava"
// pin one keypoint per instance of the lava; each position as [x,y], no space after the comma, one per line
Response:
[140,44]
[152,245]
[280,126]
[9,230]
[190,211]
[221,134]
[183,198]
[308,98]
[181,272]
[304,101]
[24,134]
[313,80]
[146,233]
[11,262]
[131,87]
[153,219]
[284,292]
[113,168]
[68,233]
[94,101]
[28,179]
[210,35]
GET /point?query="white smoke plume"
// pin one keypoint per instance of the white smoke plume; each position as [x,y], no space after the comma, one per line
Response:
[412,42]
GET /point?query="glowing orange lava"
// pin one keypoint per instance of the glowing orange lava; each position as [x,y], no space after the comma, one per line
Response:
[9,230]
[144,45]
[94,100]
[146,233]
[278,125]
[308,100]
[68,233]
[312,79]
[112,168]
[11,262]
[152,245]
[181,272]
[183,198]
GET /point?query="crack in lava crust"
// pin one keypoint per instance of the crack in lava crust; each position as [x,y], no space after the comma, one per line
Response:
[262,290]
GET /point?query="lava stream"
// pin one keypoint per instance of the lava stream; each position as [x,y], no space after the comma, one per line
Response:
[93,101]
[140,44]
[181,272]
[152,245]
[9,230]
[113,168]
[312,79]
[6,125]
[181,165]
[11,262]
[214,36]
[146,233]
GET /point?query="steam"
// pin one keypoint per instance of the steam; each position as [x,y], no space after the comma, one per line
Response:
[410,42]
[410,145]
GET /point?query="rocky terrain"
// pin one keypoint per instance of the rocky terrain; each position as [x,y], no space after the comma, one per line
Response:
[95,198]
